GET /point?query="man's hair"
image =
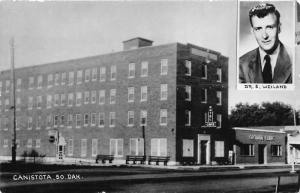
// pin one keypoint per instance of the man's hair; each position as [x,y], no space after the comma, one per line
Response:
[262,10]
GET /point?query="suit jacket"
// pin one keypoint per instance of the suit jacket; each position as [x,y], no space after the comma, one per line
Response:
[251,71]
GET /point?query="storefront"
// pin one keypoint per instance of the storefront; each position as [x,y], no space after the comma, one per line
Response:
[259,146]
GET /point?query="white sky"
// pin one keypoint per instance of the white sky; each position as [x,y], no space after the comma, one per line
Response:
[55,31]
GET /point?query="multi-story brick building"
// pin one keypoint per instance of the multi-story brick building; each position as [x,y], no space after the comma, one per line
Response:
[98,105]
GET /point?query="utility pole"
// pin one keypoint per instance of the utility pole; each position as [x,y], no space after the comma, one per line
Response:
[13,101]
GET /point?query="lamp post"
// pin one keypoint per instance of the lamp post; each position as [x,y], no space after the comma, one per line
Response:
[144,135]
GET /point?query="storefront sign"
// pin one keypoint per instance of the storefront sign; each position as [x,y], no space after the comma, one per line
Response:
[209,118]
[262,137]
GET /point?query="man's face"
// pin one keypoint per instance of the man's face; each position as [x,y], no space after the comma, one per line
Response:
[266,32]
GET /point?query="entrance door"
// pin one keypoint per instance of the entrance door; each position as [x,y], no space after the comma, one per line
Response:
[203,152]
[262,153]
[60,152]
[203,147]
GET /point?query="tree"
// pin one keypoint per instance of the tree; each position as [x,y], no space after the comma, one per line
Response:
[266,114]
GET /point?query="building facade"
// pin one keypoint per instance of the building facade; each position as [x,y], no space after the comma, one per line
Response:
[177,93]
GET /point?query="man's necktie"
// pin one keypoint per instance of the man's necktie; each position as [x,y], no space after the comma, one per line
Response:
[267,71]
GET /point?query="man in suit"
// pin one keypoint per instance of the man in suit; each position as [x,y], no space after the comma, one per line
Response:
[270,62]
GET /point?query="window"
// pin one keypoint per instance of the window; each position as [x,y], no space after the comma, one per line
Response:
[18,101]
[247,149]
[188,148]
[130,120]
[276,150]
[63,78]
[62,120]
[101,119]
[87,75]
[163,117]
[136,146]
[6,123]
[188,93]
[71,78]
[7,86]
[204,95]
[219,148]
[38,143]
[39,102]
[219,75]
[187,117]
[49,101]
[143,117]
[50,80]
[70,99]
[163,92]
[79,77]
[102,97]
[112,96]
[78,120]
[93,97]
[56,100]
[86,97]
[29,143]
[158,147]
[70,120]
[144,69]
[102,74]
[131,70]
[113,72]
[94,74]
[1,88]
[188,68]
[78,98]
[7,107]
[94,147]
[55,120]
[29,123]
[70,147]
[219,120]
[219,97]
[93,119]
[31,82]
[144,93]
[5,143]
[49,120]
[19,85]
[18,121]
[83,147]
[86,119]
[112,119]
[63,99]
[116,147]
[40,82]
[18,143]
[30,103]
[131,94]
[164,67]
[204,71]
[38,122]
[56,79]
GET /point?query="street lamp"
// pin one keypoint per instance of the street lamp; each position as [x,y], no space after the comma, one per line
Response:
[144,134]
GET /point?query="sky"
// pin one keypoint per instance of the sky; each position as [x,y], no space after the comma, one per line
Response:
[56,31]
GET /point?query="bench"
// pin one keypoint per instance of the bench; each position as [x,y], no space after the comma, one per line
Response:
[134,159]
[158,159]
[103,158]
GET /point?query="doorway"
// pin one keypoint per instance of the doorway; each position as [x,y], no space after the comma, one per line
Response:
[203,149]
[262,154]
[60,152]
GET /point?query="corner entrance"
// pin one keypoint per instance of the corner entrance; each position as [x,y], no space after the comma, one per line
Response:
[262,154]
[60,151]
[203,149]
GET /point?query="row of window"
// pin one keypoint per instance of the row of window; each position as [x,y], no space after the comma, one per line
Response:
[249,149]
[188,148]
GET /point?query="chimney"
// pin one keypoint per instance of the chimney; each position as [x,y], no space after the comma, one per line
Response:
[136,43]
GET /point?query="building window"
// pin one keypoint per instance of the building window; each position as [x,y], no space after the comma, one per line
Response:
[50,80]
[83,147]
[18,121]
[6,124]
[86,97]
[131,94]
[93,97]
[188,93]
[94,147]
[219,97]
[63,78]
[144,69]
[187,116]
[86,119]
[39,101]
[102,74]
[130,121]
[7,86]
[56,100]
[55,120]
[40,82]
[78,120]
[70,147]
[219,149]
[93,119]
[219,121]
[38,143]
[136,146]
[29,125]
[71,78]
[19,85]
[163,92]
[113,72]
[87,75]
[101,119]
[70,120]
[1,87]
[70,99]
[38,122]
[204,95]
[18,101]
[219,75]
[79,77]
[112,96]
[7,107]
[56,79]
[188,148]
[29,143]
[30,103]
[18,143]
[31,82]
[5,143]
[102,97]
[112,119]
[204,71]
[188,68]
[276,150]
[163,117]
[131,70]
[62,120]
[144,93]
[164,67]
[116,147]
[49,101]
[78,98]
[49,120]
[247,149]
[94,74]
[143,117]
[158,147]
[63,99]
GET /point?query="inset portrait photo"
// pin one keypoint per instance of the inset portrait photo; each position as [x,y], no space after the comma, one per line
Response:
[266,36]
